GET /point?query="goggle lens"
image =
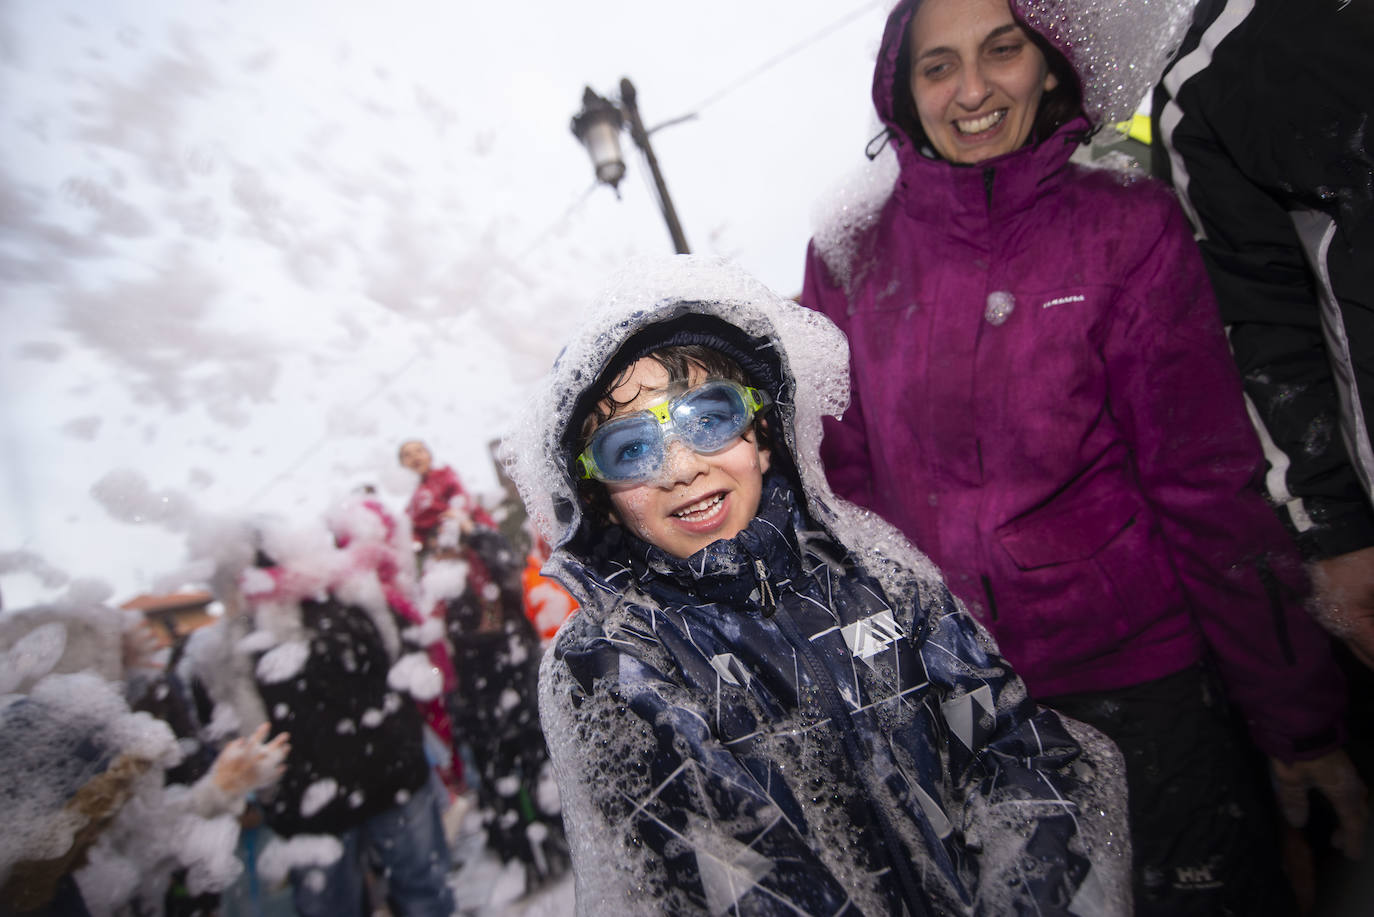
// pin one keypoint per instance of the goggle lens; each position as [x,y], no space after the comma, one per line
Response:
[627,449]
[708,419]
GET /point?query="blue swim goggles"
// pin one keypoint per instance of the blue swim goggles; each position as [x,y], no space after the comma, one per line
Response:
[709,418]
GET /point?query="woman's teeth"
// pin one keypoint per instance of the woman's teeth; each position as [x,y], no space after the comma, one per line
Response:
[700,510]
[978,125]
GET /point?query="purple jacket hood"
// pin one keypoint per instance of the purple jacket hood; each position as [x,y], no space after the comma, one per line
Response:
[1116,50]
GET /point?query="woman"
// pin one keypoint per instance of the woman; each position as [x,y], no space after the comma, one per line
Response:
[1045,404]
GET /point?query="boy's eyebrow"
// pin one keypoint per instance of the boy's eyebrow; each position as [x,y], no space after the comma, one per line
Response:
[617,410]
[994,34]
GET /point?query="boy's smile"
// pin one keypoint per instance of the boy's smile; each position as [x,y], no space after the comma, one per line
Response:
[696,499]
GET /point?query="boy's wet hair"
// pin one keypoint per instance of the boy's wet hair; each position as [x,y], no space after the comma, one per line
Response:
[678,360]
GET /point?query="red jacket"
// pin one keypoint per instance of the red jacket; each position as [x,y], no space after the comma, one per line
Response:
[433,497]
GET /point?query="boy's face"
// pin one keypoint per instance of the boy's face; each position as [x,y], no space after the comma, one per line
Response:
[697,499]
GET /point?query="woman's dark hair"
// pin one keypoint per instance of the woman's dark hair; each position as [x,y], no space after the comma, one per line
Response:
[1064,102]
[1059,106]
[678,361]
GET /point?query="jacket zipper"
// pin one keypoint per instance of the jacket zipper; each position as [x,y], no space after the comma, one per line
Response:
[833,704]
[1271,589]
[992,600]
[988,176]
[767,597]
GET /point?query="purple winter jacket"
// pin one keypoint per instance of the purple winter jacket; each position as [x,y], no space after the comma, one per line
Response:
[1045,404]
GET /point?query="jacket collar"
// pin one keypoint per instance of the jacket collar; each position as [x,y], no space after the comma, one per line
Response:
[729,571]
[930,189]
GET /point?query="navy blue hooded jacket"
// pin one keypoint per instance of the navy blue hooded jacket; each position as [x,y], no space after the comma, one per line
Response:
[800,719]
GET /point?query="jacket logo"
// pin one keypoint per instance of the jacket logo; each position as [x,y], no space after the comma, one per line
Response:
[871,635]
[1196,877]
[729,669]
[1077,297]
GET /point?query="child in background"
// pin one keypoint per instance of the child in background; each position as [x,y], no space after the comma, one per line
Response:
[547,604]
[769,701]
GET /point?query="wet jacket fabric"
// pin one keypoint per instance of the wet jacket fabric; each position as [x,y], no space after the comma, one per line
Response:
[357,746]
[801,719]
[1044,403]
[1260,124]
[495,708]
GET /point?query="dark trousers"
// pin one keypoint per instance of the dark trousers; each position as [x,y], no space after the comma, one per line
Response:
[1204,829]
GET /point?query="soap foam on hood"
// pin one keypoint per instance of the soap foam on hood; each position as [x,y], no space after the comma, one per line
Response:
[808,351]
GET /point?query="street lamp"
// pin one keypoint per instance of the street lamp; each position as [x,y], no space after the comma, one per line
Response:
[598,127]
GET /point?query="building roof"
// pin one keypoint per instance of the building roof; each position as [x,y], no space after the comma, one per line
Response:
[171,603]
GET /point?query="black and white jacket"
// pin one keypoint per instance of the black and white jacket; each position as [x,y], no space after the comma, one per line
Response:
[1262,122]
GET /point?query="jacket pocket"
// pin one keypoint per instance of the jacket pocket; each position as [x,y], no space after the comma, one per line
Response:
[1070,534]
[1081,577]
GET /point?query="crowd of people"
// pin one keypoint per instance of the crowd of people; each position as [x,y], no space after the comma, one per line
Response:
[368,686]
[952,588]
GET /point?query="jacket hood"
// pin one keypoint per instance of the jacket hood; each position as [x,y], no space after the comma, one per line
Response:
[1117,50]
[796,354]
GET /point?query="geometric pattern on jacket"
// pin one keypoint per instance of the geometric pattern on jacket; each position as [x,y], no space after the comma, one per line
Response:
[801,719]
[828,752]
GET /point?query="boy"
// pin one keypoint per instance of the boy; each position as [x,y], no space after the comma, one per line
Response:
[769,703]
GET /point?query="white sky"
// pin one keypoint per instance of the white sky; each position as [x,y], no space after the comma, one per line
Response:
[247,247]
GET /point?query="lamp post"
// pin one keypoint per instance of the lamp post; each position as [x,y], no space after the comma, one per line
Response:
[598,127]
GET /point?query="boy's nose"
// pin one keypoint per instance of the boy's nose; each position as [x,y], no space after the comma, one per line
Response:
[681,463]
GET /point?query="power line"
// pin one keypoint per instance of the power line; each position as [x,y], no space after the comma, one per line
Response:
[779,58]
[389,379]
[314,447]
[572,208]
[563,218]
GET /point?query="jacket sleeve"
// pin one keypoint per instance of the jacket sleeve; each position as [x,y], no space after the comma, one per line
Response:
[844,450]
[661,817]
[1269,299]
[1174,391]
[1025,778]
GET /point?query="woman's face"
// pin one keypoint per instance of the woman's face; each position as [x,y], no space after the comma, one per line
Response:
[976,77]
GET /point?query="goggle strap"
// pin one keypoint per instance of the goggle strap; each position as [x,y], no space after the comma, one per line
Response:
[757,398]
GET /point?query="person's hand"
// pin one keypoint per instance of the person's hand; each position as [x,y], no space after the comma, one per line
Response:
[1343,600]
[465,524]
[249,764]
[1333,775]
[139,646]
